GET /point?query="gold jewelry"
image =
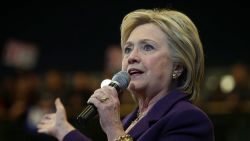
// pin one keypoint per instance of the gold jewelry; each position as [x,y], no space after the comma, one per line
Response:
[125,137]
[139,115]
[103,99]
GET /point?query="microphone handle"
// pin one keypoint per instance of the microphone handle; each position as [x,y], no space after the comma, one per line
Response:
[90,111]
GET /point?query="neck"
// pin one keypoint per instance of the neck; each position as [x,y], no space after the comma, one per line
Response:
[146,101]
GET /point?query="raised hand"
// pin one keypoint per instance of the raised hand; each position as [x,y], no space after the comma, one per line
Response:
[55,124]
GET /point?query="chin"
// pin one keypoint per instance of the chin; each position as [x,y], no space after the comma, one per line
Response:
[135,86]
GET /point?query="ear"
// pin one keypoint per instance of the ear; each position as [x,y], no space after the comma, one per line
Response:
[177,69]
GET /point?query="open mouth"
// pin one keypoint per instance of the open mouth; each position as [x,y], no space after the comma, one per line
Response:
[134,71]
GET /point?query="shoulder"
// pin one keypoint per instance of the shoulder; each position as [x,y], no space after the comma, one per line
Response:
[183,106]
[186,118]
[188,112]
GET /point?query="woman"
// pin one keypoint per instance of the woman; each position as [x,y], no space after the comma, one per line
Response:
[163,54]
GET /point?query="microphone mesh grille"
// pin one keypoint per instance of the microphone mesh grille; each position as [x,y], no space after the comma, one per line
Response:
[122,78]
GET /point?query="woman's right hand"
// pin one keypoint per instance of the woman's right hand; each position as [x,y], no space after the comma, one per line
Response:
[55,124]
[107,103]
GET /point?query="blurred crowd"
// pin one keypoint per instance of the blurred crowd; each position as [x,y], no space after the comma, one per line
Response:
[26,95]
[226,90]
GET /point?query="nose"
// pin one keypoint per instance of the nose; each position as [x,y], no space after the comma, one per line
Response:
[134,57]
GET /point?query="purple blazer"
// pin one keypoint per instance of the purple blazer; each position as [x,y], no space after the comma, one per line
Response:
[172,118]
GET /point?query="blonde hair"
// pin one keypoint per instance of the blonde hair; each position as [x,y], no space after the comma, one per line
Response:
[183,40]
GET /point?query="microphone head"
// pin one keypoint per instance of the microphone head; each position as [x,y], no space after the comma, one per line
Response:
[105,82]
[122,78]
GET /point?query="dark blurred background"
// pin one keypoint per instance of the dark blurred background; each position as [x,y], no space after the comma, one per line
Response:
[65,49]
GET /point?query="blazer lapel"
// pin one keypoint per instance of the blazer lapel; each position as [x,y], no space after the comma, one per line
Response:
[128,119]
[157,111]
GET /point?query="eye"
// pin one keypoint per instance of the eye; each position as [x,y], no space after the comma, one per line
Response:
[148,47]
[127,50]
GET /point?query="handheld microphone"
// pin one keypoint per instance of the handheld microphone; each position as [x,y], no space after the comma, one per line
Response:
[120,81]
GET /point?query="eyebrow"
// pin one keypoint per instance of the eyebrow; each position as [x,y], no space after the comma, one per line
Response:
[148,40]
[141,41]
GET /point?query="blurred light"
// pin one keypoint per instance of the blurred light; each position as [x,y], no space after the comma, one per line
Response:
[227,84]
[20,54]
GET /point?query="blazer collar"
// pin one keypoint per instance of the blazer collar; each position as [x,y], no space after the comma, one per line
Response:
[157,111]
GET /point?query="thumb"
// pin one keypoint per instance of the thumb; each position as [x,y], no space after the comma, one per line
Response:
[59,106]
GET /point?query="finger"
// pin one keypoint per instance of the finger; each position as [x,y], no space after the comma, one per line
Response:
[46,121]
[114,92]
[42,122]
[41,126]
[94,100]
[49,116]
[110,91]
[60,110]
[42,131]
[59,105]
[103,92]
[98,93]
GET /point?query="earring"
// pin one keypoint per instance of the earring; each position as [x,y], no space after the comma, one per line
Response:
[174,75]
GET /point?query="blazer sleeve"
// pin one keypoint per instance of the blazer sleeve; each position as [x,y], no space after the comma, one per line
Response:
[189,125]
[75,135]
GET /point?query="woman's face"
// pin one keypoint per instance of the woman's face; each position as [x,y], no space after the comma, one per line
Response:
[146,57]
